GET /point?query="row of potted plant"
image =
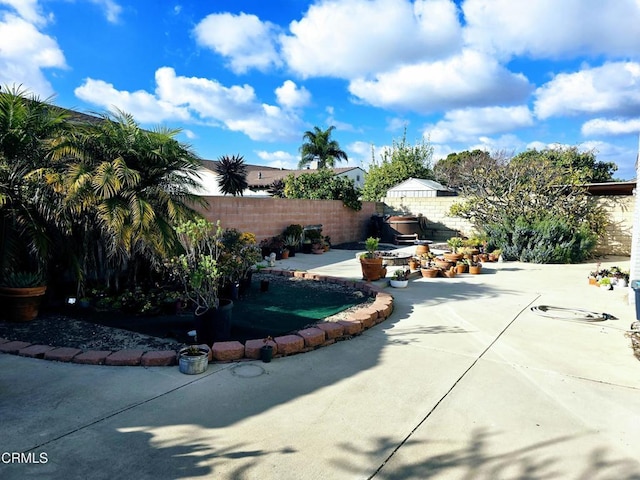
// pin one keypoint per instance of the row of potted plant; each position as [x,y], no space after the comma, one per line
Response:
[294,239]
[609,277]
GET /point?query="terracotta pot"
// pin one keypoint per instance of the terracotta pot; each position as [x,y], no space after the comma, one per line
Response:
[451,273]
[414,264]
[453,257]
[420,249]
[372,269]
[285,254]
[462,268]
[443,264]
[21,304]
[475,270]
[429,272]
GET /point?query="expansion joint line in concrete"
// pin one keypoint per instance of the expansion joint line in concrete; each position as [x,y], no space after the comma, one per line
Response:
[464,374]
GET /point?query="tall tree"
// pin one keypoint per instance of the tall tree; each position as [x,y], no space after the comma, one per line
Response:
[318,146]
[232,175]
[397,164]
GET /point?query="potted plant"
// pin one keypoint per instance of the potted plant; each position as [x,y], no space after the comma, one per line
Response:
[371,261]
[454,244]
[414,263]
[400,278]
[193,360]
[266,351]
[462,266]
[475,267]
[200,272]
[292,236]
[21,294]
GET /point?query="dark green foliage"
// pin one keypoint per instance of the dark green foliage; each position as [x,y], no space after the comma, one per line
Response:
[233,175]
[276,189]
[546,240]
[323,185]
[399,163]
[576,166]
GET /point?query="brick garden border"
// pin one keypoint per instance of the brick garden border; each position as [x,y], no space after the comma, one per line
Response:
[319,335]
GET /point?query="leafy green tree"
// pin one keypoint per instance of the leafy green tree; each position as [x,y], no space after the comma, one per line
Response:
[577,166]
[454,170]
[323,185]
[318,146]
[397,164]
[232,175]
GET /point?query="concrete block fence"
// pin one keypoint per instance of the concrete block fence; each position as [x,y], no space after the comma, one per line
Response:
[319,335]
[268,217]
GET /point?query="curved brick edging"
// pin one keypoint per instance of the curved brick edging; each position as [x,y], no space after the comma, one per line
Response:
[305,340]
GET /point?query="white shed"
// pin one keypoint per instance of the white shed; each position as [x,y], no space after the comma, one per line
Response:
[419,187]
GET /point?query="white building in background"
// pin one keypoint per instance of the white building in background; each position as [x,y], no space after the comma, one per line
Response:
[418,187]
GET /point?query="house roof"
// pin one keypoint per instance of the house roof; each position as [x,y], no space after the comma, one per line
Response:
[420,184]
[611,188]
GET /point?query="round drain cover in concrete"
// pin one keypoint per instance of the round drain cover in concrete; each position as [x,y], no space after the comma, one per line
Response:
[247,371]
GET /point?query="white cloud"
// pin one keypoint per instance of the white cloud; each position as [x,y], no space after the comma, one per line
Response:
[197,99]
[144,106]
[279,159]
[190,134]
[244,39]
[24,52]
[605,127]
[470,123]
[396,123]
[351,38]
[553,29]
[613,87]
[469,79]
[29,10]
[289,95]
[110,8]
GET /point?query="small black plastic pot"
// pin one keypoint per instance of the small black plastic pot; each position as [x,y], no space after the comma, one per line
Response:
[266,353]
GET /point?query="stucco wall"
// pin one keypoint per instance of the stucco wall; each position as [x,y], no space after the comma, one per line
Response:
[617,240]
[267,217]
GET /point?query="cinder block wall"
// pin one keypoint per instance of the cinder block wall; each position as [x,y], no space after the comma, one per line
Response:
[617,240]
[267,217]
[436,209]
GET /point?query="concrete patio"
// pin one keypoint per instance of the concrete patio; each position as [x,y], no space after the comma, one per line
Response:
[463,381]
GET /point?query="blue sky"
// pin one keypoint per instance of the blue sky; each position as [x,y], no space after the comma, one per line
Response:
[250,77]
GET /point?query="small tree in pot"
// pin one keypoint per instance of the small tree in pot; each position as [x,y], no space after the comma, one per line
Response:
[199,270]
[371,262]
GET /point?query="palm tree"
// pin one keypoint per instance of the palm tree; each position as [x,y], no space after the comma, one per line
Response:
[27,206]
[128,186]
[319,146]
[232,175]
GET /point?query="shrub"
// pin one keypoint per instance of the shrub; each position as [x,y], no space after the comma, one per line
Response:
[546,240]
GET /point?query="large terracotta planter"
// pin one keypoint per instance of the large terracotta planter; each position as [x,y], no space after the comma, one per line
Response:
[429,272]
[21,304]
[371,268]
[453,257]
[422,248]
[475,269]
